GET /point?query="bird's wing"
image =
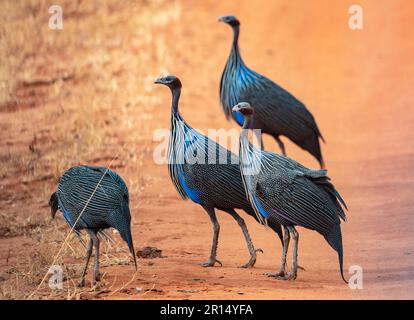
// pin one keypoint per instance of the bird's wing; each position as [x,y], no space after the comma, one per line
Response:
[284,188]
[217,168]
[279,109]
[93,190]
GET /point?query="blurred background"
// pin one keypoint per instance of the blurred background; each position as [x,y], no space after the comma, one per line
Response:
[85,95]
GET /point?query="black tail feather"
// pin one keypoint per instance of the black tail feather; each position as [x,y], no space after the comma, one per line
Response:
[312,145]
[327,186]
[334,238]
[276,227]
[122,223]
[126,235]
[132,250]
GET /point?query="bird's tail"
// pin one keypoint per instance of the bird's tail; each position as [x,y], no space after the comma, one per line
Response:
[313,146]
[124,228]
[130,243]
[276,227]
[334,238]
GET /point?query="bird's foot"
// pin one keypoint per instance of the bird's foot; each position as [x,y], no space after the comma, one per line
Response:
[301,268]
[81,283]
[279,274]
[211,262]
[249,264]
[289,276]
[252,260]
[96,278]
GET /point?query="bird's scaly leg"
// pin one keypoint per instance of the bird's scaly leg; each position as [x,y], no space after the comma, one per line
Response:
[88,256]
[281,145]
[294,268]
[249,242]
[216,227]
[96,275]
[282,272]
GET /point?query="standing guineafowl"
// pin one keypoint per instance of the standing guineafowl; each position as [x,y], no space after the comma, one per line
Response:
[282,189]
[94,198]
[277,112]
[206,173]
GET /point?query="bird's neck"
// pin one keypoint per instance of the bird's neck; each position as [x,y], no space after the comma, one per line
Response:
[248,120]
[176,92]
[235,52]
[244,141]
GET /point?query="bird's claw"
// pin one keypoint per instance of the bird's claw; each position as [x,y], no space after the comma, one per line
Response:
[211,263]
[301,268]
[288,276]
[96,278]
[252,260]
[279,274]
[249,264]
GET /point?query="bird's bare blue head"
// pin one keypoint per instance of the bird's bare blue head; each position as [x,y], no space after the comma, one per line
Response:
[53,204]
[230,20]
[244,108]
[170,81]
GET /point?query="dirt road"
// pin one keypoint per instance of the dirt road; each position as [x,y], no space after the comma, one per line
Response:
[358,84]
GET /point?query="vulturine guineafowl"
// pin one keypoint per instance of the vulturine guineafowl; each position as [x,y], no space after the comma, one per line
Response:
[94,198]
[282,189]
[206,173]
[277,112]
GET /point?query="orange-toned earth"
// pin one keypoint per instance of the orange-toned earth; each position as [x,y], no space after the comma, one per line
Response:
[359,86]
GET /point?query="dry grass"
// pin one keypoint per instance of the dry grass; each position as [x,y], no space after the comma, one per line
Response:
[79,95]
[84,115]
[15,225]
[22,281]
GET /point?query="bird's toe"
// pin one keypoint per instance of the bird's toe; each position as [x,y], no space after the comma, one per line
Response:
[277,275]
[288,276]
[211,263]
[97,278]
[249,264]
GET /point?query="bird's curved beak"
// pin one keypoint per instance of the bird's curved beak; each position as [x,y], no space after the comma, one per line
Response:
[158,80]
[53,204]
[52,213]
[220,19]
[236,108]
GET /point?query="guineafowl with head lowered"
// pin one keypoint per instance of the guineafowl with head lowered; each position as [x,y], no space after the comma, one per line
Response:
[93,199]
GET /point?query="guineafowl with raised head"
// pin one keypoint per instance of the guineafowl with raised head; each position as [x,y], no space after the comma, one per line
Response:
[277,112]
[206,173]
[280,188]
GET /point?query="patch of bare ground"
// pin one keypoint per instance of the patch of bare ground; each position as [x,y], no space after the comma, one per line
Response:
[85,94]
